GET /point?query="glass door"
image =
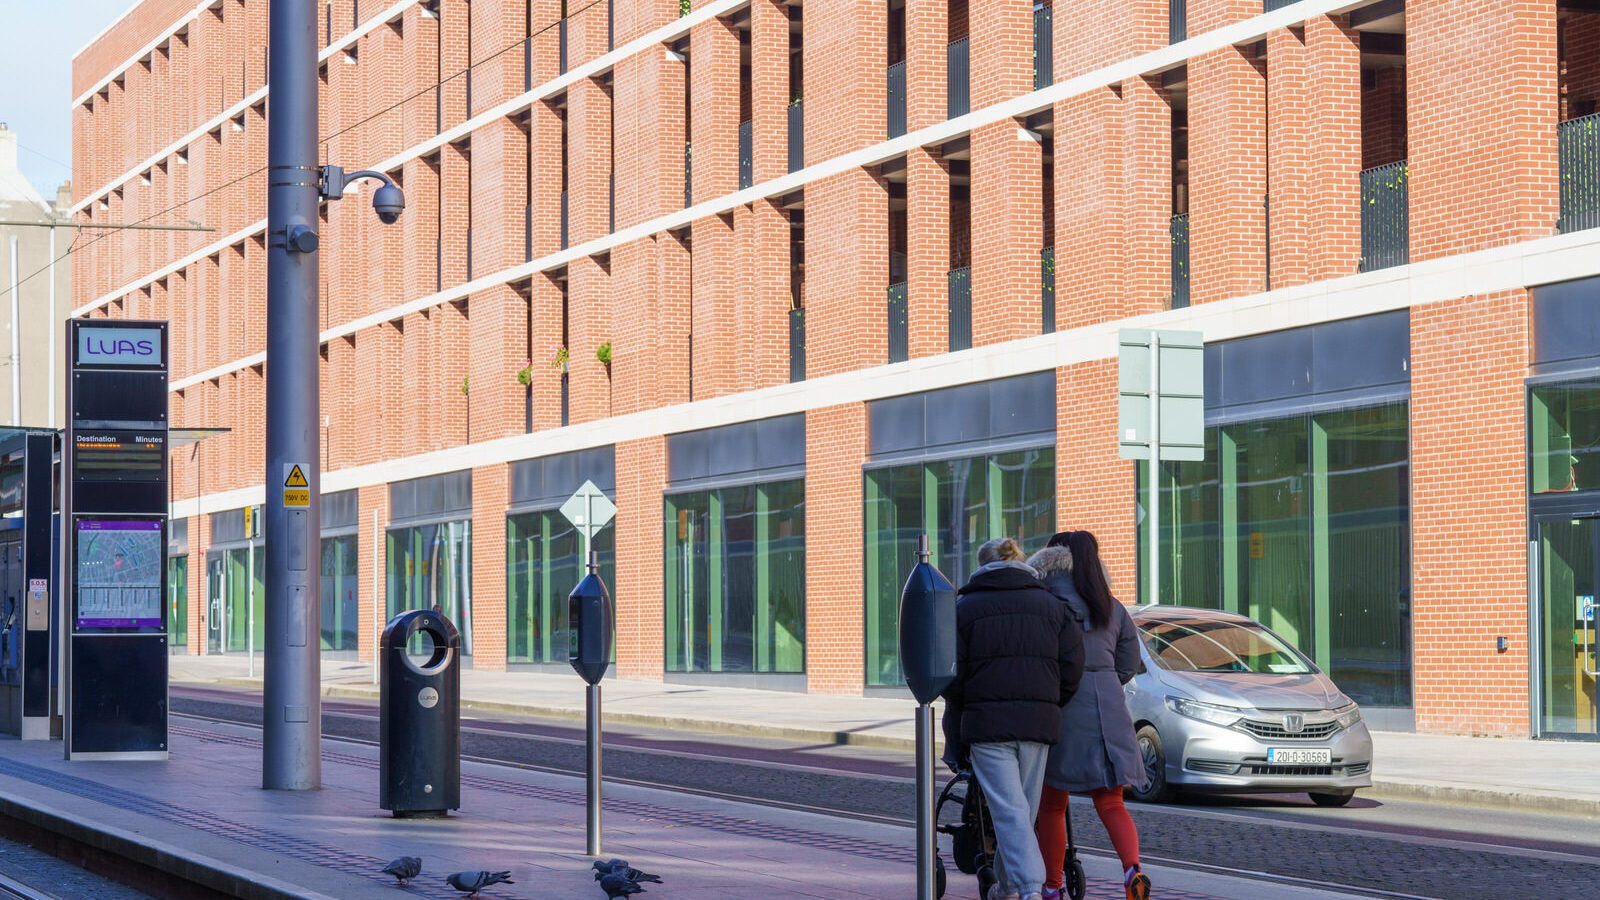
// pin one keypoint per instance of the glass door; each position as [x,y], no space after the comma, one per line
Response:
[214,606]
[1568,550]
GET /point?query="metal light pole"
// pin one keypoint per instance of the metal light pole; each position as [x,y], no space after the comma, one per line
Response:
[51,421]
[292,712]
[16,345]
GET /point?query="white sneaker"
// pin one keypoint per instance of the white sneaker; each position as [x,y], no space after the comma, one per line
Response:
[997,893]
[1033,896]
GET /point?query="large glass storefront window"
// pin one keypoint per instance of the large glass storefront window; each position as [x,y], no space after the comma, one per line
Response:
[544,562]
[1302,523]
[735,577]
[178,600]
[340,592]
[1564,437]
[959,504]
[430,567]
[244,594]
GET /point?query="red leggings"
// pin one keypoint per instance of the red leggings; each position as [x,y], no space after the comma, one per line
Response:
[1051,829]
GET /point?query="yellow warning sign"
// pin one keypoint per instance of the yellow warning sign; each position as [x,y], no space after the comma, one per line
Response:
[296,489]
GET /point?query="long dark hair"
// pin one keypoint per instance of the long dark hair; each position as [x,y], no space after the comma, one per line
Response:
[1089,577]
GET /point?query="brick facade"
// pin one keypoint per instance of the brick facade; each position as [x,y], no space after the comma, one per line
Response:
[696,309]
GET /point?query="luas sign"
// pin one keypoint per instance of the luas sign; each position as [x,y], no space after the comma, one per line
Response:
[119,346]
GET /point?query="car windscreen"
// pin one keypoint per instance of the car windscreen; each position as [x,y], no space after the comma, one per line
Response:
[1216,645]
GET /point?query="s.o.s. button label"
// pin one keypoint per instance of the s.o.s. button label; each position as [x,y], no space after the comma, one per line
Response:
[428,697]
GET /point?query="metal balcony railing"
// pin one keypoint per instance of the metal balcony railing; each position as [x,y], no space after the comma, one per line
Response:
[561,43]
[1043,48]
[896,92]
[611,202]
[1385,217]
[797,344]
[566,401]
[899,336]
[797,135]
[1177,21]
[527,233]
[1578,141]
[688,175]
[1047,290]
[1180,261]
[1270,5]
[960,308]
[563,220]
[958,80]
[747,166]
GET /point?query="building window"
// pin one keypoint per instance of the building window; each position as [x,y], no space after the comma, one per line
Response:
[430,567]
[1564,437]
[544,562]
[340,592]
[959,504]
[178,600]
[735,577]
[1303,523]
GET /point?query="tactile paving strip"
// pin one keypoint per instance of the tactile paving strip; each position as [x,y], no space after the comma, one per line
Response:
[1099,888]
[260,838]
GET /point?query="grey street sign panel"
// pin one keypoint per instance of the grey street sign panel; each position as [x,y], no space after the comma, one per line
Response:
[589,509]
[1181,396]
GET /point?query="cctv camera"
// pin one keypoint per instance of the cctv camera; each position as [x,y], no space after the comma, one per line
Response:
[388,202]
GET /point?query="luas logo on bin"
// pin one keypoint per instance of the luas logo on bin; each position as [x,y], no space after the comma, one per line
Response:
[119,346]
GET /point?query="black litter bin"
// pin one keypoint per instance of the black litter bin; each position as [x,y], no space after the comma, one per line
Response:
[419,717]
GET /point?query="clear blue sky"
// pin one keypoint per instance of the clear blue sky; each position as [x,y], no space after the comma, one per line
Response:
[36,47]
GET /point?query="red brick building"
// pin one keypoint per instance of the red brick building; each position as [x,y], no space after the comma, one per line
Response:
[797,281]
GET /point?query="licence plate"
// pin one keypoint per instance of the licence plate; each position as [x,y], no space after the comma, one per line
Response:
[1299,756]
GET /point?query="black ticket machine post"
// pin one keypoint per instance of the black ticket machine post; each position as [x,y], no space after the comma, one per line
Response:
[114,539]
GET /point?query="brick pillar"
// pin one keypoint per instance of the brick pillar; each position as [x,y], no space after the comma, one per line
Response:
[641,475]
[1209,15]
[1007,232]
[836,447]
[714,109]
[1334,50]
[1147,143]
[371,566]
[455,354]
[1468,361]
[455,205]
[1289,172]
[1227,176]
[648,124]
[499,326]
[490,496]
[588,326]
[1001,44]
[454,38]
[1482,137]
[1094,487]
[544,328]
[544,173]
[419,231]
[713,296]
[199,603]
[927,252]
[927,37]
[497,71]
[769,88]
[846,104]
[847,272]
[419,69]
[763,309]
[589,169]
[1091,206]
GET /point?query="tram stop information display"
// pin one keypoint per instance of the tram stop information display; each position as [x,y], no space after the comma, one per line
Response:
[114,523]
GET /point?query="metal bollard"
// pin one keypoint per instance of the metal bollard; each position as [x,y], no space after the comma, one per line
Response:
[589,622]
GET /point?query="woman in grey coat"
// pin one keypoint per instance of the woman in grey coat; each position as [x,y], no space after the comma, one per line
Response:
[1097,752]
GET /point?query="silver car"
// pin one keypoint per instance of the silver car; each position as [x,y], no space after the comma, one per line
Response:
[1223,704]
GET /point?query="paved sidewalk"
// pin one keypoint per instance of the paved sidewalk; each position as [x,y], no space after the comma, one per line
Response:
[202,814]
[1551,776]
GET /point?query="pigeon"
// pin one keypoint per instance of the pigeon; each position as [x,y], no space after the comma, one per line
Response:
[404,869]
[472,882]
[617,885]
[621,867]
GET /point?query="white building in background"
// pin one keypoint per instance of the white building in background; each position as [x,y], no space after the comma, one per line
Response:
[25,224]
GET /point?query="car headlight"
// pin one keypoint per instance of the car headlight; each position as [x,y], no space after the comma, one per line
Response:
[1347,715]
[1205,712]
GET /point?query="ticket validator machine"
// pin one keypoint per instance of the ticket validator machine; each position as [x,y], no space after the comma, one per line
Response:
[114,540]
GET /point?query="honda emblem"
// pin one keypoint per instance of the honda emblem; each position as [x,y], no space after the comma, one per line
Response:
[1294,723]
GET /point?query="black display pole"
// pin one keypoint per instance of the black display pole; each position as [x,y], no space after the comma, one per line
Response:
[114,540]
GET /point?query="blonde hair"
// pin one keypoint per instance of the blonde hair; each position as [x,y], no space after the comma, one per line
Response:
[1000,550]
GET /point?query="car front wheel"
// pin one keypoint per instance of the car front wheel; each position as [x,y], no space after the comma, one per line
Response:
[1154,755]
[1332,798]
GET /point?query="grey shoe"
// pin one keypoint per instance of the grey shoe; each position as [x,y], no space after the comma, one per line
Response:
[998,893]
[1033,896]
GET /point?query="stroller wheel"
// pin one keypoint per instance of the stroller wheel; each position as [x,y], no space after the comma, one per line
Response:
[1077,882]
[939,877]
[986,880]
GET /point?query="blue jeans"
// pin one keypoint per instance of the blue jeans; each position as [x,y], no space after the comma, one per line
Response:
[1011,774]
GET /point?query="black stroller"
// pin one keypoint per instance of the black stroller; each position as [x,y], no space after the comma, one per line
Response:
[972,839]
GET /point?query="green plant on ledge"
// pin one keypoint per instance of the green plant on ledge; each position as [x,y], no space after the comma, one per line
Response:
[466,384]
[683,8]
[603,353]
[525,374]
[561,359]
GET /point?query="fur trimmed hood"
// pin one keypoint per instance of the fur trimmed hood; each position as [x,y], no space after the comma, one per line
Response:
[1050,561]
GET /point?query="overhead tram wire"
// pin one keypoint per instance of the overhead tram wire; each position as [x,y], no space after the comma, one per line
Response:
[116,229]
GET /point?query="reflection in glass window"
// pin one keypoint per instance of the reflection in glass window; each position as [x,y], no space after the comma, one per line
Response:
[1564,437]
[735,577]
[340,592]
[1213,645]
[178,600]
[544,562]
[1302,523]
[430,567]
[959,504]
